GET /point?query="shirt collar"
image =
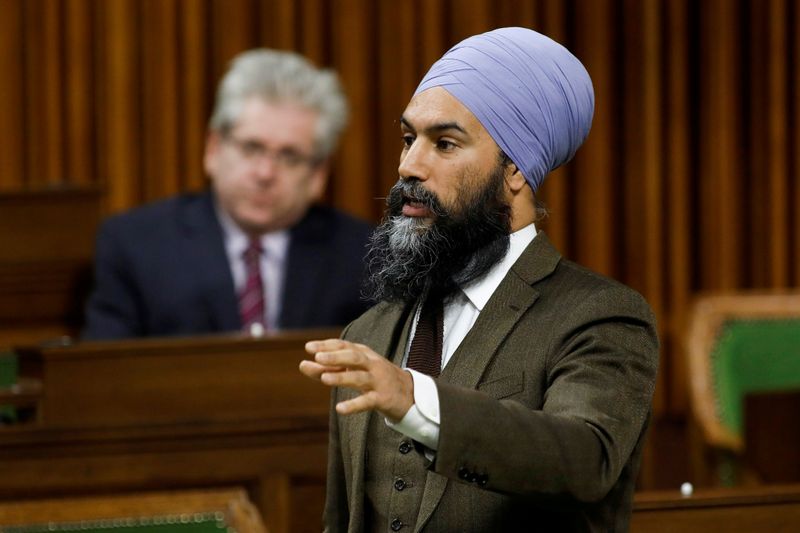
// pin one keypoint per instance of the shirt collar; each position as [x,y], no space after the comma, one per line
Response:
[274,243]
[480,290]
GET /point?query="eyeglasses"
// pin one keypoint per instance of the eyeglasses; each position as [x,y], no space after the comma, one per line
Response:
[255,152]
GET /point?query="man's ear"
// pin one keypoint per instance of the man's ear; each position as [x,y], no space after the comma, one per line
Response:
[210,155]
[515,180]
[318,180]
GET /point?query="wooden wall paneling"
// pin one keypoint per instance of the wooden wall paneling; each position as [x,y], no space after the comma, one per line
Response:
[281,23]
[556,192]
[756,181]
[720,148]
[777,153]
[353,43]
[12,123]
[397,77]
[595,165]
[516,13]
[159,41]
[314,38]
[43,68]
[643,181]
[643,122]
[233,30]
[79,109]
[119,140]
[794,149]
[470,17]
[678,213]
[196,91]
[434,39]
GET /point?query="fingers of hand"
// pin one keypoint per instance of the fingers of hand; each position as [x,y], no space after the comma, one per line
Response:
[315,370]
[353,379]
[313,347]
[364,402]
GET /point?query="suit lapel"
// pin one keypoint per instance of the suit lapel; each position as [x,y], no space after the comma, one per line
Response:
[513,297]
[302,275]
[208,262]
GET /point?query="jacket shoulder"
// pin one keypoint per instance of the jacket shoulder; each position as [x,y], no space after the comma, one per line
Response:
[153,217]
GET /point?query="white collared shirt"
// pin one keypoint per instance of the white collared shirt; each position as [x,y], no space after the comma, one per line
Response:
[272,263]
[421,422]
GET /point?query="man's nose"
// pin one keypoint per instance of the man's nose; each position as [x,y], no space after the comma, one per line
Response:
[266,166]
[413,163]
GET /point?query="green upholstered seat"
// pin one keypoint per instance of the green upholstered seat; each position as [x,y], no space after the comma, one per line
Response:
[753,356]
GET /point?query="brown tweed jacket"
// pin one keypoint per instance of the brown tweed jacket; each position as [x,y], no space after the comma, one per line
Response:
[543,410]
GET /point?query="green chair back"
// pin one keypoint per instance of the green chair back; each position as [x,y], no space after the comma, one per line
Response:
[753,356]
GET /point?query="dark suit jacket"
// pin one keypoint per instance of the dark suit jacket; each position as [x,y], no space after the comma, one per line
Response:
[162,270]
[543,410]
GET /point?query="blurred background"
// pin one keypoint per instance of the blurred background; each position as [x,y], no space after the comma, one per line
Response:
[687,184]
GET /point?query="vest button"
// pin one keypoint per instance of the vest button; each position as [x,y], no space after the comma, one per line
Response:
[396,525]
[399,484]
[405,447]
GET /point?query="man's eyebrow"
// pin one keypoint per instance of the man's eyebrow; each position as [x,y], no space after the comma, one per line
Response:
[436,128]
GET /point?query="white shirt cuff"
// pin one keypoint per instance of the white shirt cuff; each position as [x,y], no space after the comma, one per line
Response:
[421,422]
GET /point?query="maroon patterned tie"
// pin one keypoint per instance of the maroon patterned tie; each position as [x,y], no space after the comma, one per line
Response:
[251,298]
[425,353]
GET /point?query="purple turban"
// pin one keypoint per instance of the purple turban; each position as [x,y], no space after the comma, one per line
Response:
[530,93]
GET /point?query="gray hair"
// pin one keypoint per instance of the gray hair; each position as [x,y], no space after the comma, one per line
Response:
[280,77]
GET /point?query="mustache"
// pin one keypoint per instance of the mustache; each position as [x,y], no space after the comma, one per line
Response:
[413,191]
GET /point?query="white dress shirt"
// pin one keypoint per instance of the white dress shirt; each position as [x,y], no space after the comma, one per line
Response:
[272,263]
[421,422]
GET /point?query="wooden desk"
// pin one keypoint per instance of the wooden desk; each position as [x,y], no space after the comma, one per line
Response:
[228,508]
[175,414]
[772,508]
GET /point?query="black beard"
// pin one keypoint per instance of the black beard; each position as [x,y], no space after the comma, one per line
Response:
[408,255]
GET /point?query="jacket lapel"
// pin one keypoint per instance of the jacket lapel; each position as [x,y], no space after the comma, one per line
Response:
[205,246]
[513,297]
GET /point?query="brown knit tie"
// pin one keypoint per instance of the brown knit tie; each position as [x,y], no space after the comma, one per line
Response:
[425,354]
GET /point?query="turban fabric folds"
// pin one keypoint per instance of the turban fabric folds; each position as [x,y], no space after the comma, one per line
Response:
[530,93]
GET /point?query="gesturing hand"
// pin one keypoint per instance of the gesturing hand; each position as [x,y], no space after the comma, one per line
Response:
[384,387]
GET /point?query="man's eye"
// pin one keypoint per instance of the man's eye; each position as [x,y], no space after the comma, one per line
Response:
[442,144]
[289,158]
[408,140]
[252,149]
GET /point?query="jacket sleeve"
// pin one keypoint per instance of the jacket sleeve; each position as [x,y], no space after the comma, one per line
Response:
[601,367]
[112,311]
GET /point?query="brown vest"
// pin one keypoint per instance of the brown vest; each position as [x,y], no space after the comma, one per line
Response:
[394,471]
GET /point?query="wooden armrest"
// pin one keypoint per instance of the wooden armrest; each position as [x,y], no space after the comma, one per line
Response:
[26,392]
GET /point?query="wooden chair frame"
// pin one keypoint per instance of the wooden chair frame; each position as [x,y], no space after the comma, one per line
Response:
[709,314]
[238,512]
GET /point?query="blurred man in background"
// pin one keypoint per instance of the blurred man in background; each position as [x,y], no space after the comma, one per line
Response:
[253,252]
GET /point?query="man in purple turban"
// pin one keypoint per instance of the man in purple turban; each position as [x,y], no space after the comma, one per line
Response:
[496,386]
